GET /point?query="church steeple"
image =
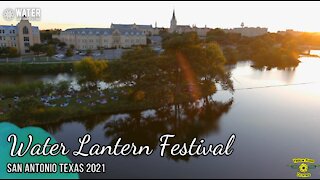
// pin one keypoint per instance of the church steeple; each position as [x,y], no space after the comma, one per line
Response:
[174,14]
[173,23]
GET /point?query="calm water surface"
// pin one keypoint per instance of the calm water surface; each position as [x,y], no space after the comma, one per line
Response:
[275,115]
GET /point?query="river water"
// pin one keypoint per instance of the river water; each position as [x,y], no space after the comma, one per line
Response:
[274,114]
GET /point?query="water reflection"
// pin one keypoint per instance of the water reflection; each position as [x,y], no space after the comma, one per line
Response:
[186,121]
[273,125]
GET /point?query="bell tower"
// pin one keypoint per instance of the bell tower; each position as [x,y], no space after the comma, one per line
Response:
[25,35]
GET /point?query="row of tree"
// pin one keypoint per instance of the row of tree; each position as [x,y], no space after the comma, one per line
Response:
[9,52]
[270,50]
[187,70]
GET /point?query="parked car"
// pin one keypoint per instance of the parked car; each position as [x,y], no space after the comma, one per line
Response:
[96,54]
[82,53]
[60,56]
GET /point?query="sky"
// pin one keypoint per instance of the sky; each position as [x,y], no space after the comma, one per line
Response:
[275,15]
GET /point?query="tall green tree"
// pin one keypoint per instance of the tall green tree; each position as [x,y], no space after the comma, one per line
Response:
[90,70]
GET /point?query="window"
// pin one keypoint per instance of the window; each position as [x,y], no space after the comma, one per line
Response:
[0,38]
[13,31]
[26,39]
[25,30]
[26,44]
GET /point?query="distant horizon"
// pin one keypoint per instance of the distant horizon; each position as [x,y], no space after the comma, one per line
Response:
[298,16]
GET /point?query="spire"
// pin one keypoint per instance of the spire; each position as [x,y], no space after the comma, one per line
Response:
[173,14]
[173,23]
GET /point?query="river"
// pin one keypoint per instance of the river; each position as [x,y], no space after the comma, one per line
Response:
[274,115]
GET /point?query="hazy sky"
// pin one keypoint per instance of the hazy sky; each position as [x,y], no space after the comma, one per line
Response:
[303,16]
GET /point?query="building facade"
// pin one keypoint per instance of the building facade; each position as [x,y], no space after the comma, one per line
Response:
[248,31]
[117,36]
[146,29]
[21,36]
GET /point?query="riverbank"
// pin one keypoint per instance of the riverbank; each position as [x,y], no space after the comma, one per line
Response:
[59,107]
[36,68]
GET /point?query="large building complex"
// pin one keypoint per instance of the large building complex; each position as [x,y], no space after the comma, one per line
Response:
[146,29]
[21,36]
[117,36]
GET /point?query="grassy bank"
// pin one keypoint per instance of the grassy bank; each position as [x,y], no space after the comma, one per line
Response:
[44,115]
[27,68]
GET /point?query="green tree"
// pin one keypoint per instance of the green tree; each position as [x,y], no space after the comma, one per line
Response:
[37,48]
[13,52]
[26,109]
[89,52]
[51,50]
[62,44]
[69,52]
[139,53]
[90,70]
[46,35]
[72,46]
[54,41]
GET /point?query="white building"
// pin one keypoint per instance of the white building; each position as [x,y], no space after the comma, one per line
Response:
[248,31]
[21,36]
[118,36]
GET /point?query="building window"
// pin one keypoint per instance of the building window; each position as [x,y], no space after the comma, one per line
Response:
[25,30]
[26,44]
[13,31]
[26,39]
